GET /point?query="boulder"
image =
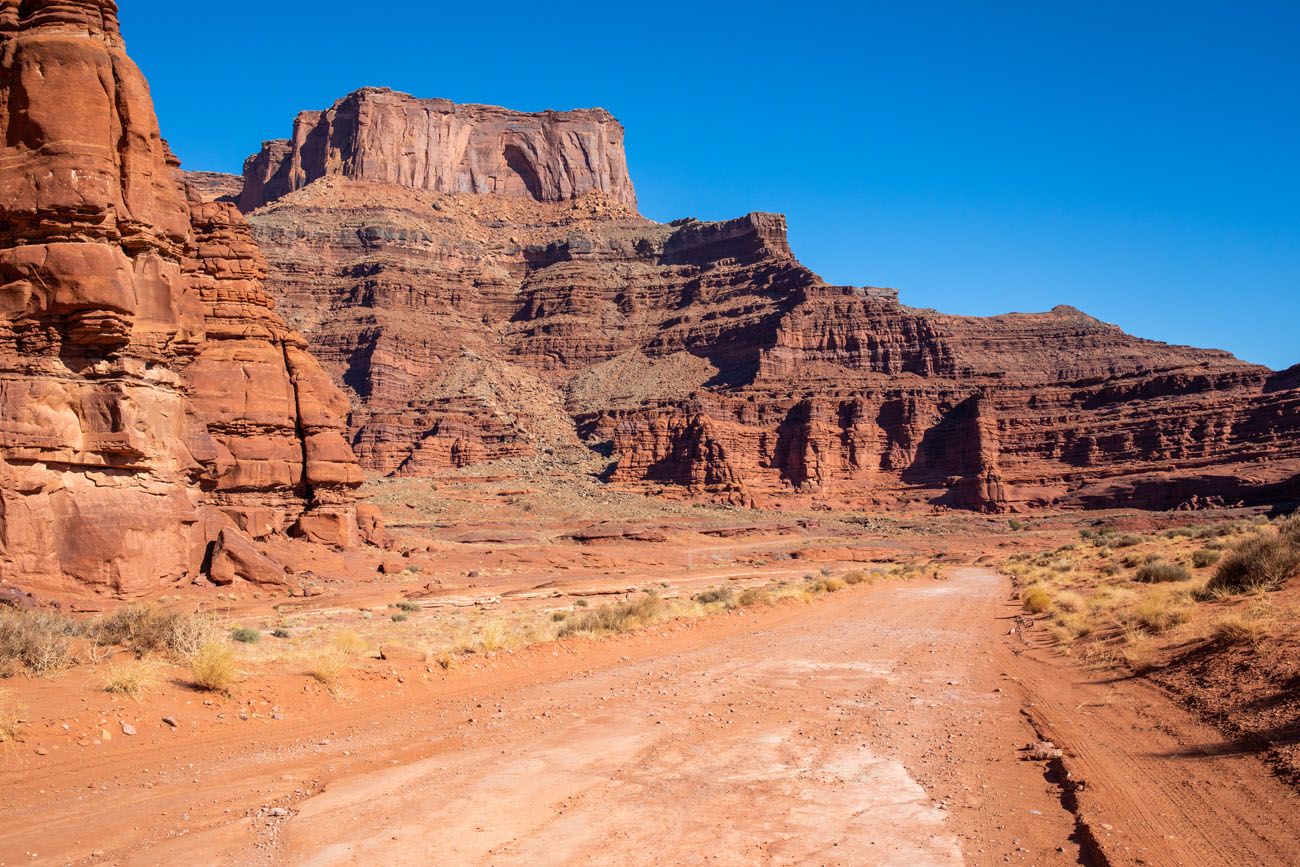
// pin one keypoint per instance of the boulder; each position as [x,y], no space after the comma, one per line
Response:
[236,558]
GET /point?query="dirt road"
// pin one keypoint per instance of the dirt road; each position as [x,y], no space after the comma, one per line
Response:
[879,726]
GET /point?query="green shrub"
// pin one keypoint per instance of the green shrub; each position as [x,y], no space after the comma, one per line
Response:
[245,635]
[1128,540]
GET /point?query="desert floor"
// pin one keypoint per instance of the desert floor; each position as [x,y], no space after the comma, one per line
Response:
[884,724]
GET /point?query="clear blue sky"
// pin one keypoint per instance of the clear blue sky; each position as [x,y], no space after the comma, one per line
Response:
[1138,160]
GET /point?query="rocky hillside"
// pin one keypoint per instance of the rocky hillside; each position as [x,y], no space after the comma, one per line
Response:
[481,284]
[156,414]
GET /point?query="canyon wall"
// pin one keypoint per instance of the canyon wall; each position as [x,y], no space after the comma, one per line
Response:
[150,400]
[376,134]
[482,325]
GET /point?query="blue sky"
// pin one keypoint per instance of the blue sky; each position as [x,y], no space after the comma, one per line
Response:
[1140,161]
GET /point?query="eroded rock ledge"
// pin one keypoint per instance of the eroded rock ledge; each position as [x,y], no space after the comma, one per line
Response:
[151,400]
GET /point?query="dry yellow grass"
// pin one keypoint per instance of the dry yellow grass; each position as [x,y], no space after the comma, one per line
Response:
[213,667]
[328,666]
[1035,599]
[133,677]
[493,636]
[11,717]
[349,643]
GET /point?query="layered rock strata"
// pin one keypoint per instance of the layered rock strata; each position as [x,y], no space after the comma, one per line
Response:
[115,327]
[471,322]
[376,134]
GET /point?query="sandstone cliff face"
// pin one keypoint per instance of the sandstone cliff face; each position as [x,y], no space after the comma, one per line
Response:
[469,327]
[107,462]
[378,135]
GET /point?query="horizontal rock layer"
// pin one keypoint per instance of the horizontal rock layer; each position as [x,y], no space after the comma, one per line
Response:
[375,134]
[469,328]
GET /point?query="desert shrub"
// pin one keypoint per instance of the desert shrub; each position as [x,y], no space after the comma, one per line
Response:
[1069,602]
[1036,599]
[1203,557]
[134,678]
[401,617]
[11,717]
[245,635]
[1015,524]
[1258,563]
[581,603]
[1128,540]
[213,667]
[1109,570]
[348,642]
[1161,572]
[39,640]
[857,577]
[619,617]
[755,596]
[1132,561]
[558,616]
[1238,628]
[1160,612]
[328,666]
[408,606]
[493,636]
[143,630]
[723,595]
[279,633]
[1289,529]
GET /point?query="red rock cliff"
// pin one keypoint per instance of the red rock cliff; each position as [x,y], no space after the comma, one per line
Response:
[471,327]
[110,474]
[376,134]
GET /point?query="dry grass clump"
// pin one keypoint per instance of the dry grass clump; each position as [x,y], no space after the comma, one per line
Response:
[619,617]
[1069,602]
[212,667]
[40,640]
[1161,572]
[1205,557]
[859,576]
[1260,563]
[724,596]
[144,630]
[755,596]
[134,678]
[11,717]
[1035,599]
[1159,612]
[349,643]
[329,665]
[493,636]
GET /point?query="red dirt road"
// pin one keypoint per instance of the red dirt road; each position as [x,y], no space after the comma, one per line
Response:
[877,726]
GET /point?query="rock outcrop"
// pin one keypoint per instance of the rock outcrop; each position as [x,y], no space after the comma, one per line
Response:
[472,321]
[376,134]
[139,357]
